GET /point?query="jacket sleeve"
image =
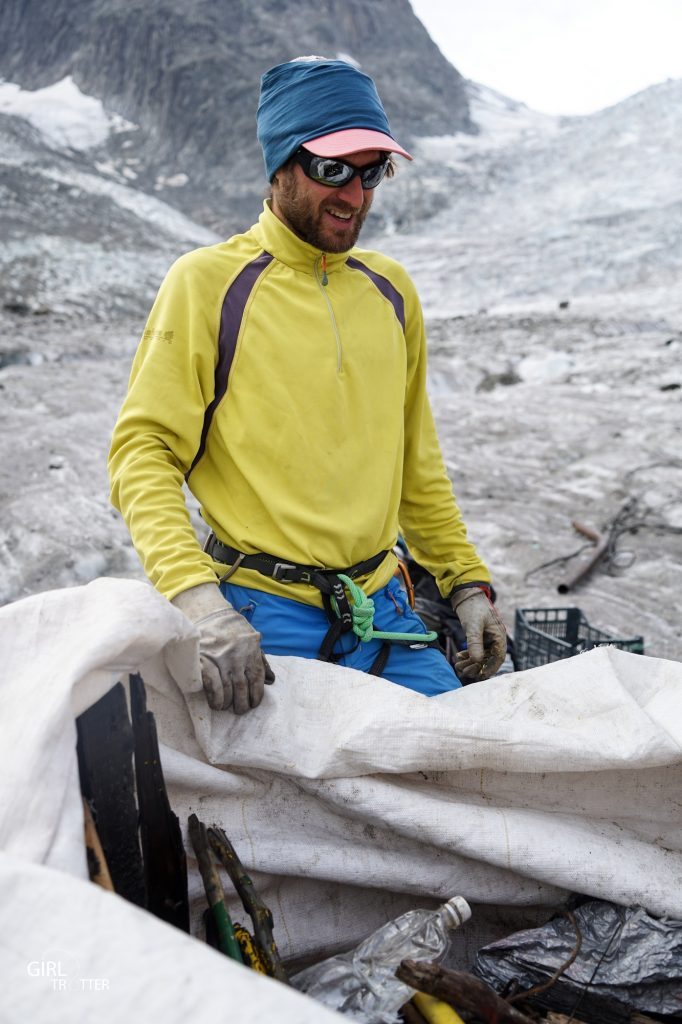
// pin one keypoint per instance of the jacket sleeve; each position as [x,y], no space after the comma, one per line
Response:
[158,431]
[430,518]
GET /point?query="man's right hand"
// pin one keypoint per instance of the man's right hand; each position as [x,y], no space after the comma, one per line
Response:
[234,669]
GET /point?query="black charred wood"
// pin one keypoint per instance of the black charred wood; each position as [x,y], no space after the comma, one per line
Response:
[105,765]
[163,853]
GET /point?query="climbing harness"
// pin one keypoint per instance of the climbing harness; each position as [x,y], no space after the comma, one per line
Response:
[345,615]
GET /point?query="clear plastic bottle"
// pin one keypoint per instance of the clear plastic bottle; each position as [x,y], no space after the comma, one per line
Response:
[362,984]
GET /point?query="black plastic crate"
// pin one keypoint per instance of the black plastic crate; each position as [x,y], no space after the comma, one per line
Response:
[542,635]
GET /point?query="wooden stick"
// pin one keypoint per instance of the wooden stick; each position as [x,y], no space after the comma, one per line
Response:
[462,991]
[253,904]
[214,889]
[98,868]
[537,990]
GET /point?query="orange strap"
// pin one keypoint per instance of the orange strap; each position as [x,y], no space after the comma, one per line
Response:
[407,581]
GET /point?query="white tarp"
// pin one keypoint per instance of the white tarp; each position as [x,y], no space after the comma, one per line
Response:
[71,952]
[350,799]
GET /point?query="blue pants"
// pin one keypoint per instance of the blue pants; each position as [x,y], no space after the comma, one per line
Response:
[292,628]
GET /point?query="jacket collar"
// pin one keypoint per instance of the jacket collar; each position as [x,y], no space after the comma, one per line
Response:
[277,239]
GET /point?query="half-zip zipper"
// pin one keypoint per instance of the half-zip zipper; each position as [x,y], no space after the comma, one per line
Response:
[322,285]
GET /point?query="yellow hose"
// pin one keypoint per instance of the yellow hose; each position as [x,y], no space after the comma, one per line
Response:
[434,1010]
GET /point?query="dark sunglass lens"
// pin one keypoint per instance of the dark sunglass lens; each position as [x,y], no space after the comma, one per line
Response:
[332,172]
[371,176]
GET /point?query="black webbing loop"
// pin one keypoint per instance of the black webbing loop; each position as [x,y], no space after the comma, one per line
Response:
[379,664]
[325,580]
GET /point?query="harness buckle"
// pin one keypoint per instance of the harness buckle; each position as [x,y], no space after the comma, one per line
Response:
[278,570]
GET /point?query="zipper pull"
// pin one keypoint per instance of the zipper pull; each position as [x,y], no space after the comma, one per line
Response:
[325,279]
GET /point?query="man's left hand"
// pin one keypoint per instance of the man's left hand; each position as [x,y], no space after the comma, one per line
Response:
[485,633]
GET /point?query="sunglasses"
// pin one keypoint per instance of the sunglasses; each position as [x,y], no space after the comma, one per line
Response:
[328,170]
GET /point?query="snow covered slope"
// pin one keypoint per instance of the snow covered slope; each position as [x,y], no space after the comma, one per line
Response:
[538,208]
[77,237]
[64,116]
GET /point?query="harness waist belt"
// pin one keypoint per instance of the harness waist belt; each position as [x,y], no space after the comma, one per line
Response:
[331,584]
[289,572]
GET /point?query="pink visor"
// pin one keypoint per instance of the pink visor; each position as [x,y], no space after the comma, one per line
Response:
[353,140]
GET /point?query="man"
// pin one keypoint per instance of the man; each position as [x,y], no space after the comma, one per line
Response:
[282,376]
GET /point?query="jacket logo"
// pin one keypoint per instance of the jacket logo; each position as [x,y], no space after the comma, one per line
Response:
[156,335]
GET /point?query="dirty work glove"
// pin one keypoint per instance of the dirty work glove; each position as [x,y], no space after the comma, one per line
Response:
[233,667]
[485,633]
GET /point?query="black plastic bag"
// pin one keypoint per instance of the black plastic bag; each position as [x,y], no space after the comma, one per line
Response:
[626,955]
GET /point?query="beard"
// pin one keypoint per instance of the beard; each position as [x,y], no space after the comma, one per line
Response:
[309,217]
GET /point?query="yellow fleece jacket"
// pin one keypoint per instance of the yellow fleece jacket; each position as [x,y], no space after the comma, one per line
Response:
[317,444]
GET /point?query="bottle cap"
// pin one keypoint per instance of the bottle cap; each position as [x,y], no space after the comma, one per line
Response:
[455,912]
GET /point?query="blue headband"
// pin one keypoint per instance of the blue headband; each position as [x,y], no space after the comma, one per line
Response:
[303,100]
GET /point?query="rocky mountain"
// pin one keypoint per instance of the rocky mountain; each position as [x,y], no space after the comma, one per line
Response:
[185,76]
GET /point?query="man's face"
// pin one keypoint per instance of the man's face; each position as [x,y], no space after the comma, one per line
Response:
[327,218]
